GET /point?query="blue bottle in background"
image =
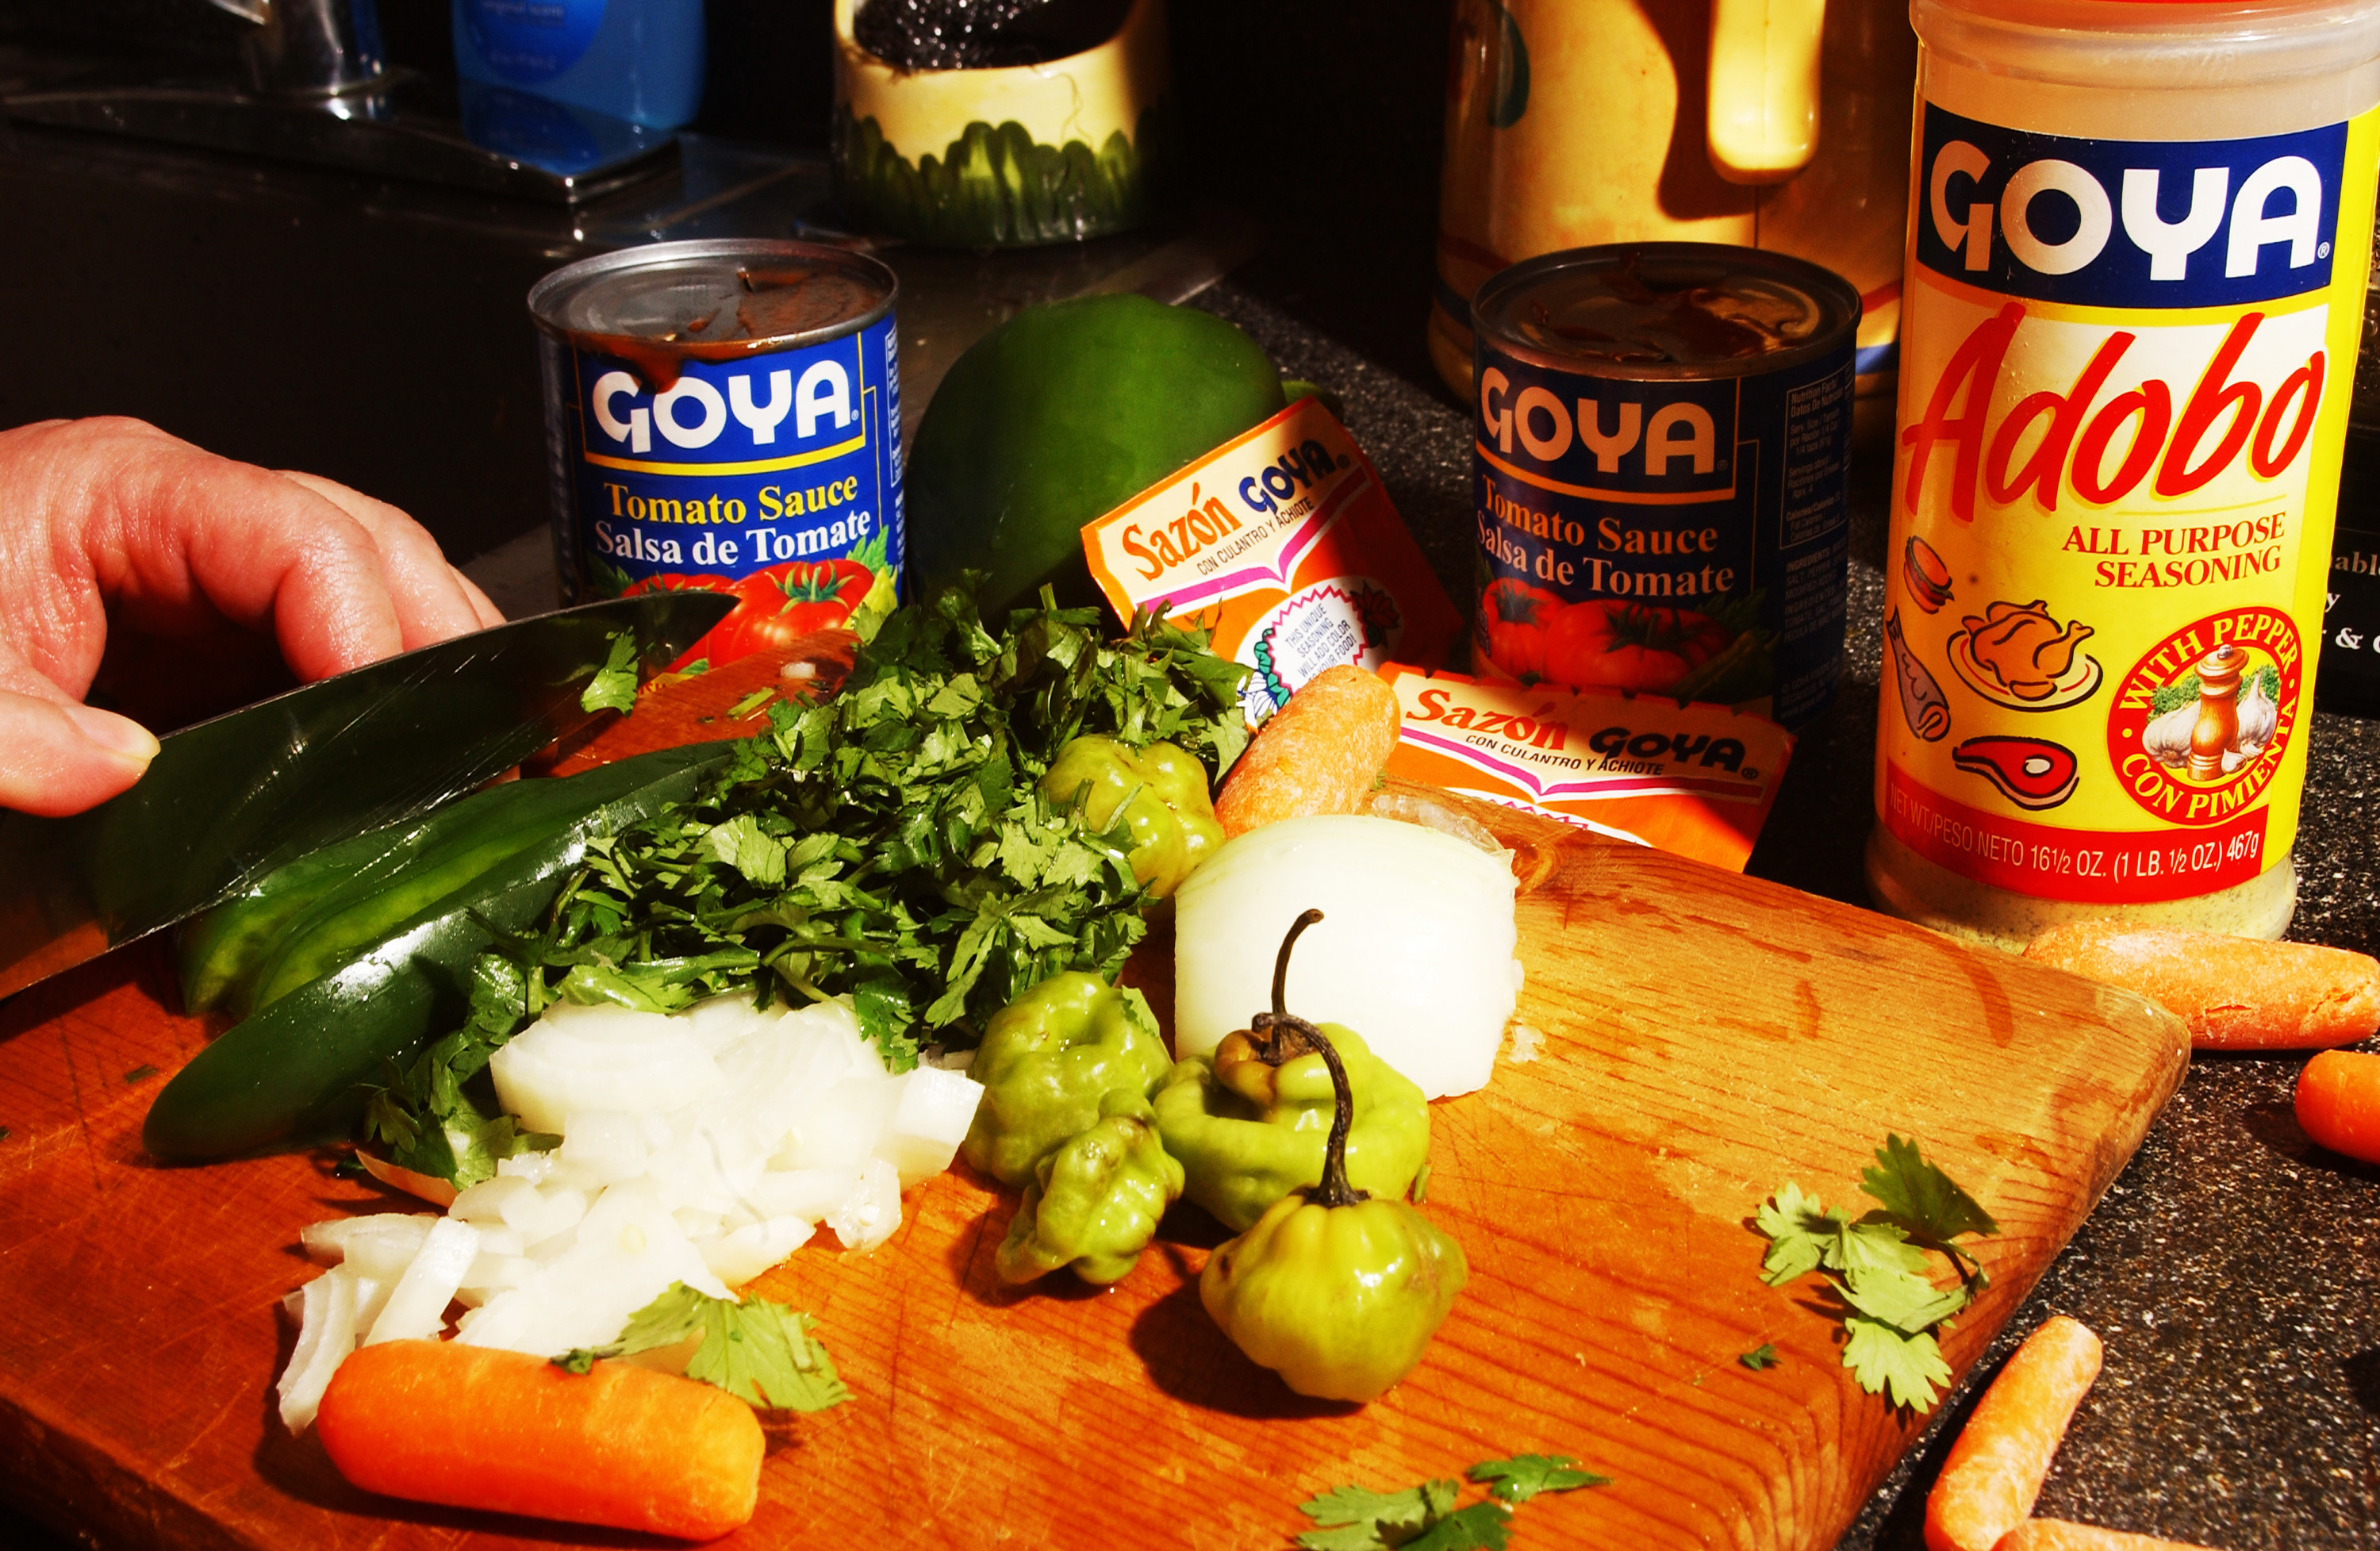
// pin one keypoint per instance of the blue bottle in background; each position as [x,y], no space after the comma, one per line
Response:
[638,60]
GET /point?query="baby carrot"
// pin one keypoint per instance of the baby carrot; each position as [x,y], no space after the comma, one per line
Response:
[471,1426]
[2057,1534]
[2338,1103]
[2236,993]
[1995,1470]
[1319,753]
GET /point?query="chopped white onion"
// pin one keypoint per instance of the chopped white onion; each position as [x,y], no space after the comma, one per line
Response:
[1414,951]
[930,1119]
[326,1333]
[327,1243]
[417,1304]
[702,1147]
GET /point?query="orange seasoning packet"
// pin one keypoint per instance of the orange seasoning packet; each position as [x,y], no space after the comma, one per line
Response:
[1283,544]
[1697,780]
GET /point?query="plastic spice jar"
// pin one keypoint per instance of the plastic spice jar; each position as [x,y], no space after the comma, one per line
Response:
[2139,236]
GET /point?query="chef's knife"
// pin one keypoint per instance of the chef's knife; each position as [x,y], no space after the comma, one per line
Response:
[228,800]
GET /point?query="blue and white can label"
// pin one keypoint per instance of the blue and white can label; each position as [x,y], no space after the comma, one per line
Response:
[772,473]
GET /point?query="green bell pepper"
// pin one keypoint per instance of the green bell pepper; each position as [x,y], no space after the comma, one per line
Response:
[1046,1061]
[1095,1203]
[1161,791]
[1337,1290]
[330,907]
[1248,1132]
[301,1067]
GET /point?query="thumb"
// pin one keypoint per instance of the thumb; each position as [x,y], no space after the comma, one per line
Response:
[58,757]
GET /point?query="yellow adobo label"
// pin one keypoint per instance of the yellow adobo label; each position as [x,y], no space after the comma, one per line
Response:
[2124,391]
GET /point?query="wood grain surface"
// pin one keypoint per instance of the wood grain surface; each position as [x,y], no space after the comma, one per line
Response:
[1704,1038]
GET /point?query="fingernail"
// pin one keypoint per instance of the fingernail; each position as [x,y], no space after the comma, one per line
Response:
[117,734]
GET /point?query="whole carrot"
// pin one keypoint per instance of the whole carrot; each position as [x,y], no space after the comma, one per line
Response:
[471,1426]
[2236,993]
[1321,753]
[1987,1486]
[2057,1534]
[2338,1103]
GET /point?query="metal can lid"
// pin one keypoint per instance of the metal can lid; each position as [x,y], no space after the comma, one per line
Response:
[1665,310]
[716,296]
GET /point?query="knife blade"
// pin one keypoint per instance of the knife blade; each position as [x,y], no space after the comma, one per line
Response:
[228,800]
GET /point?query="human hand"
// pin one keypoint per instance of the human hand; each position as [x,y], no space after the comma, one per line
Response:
[104,518]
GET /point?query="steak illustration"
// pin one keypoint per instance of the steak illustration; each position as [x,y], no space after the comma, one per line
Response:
[2030,772]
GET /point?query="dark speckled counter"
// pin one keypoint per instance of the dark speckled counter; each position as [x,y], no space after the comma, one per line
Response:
[2232,1269]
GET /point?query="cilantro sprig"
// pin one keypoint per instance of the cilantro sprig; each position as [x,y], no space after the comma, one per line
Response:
[614,687]
[1891,1305]
[759,1351]
[1424,1518]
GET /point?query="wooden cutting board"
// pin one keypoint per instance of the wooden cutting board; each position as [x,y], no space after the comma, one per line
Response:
[1705,1038]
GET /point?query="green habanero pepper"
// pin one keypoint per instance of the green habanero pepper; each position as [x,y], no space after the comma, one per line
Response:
[1250,1122]
[1094,1204]
[1161,791]
[1337,1290]
[1047,1059]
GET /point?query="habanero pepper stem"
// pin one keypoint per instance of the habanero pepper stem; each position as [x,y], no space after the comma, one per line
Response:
[1271,1049]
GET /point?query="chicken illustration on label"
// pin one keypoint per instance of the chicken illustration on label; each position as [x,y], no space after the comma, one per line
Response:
[2030,772]
[2016,655]
[1922,705]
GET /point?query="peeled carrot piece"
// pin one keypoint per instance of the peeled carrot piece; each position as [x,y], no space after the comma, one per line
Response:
[1321,753]
[438,1422]
[1995,1470]
[2236,993]
[2338,1103]
[2057,1534]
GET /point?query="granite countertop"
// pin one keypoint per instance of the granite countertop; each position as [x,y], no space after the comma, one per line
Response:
[2228,1268]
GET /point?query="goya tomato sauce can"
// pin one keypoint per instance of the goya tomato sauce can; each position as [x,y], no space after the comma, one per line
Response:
[1662,430]
[727,415]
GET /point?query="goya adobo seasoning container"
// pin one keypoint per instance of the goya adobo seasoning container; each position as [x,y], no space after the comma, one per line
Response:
[726,415]
[2138,240]
[1661,437]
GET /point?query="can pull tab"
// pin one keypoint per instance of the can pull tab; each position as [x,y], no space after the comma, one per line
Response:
[1763,120]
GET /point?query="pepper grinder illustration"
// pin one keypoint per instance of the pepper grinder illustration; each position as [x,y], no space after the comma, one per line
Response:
[2219,711]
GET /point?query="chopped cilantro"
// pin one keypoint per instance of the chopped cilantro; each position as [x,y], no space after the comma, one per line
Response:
[140,1073]
[614,687]
[749,704]
[1523,1476]
[1484,1526]
[1892,1304]
[349,1168]
[1357,1519]
[1424,1518]
[760,1353]
[696,669]
[1762,1356]
[891,844]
